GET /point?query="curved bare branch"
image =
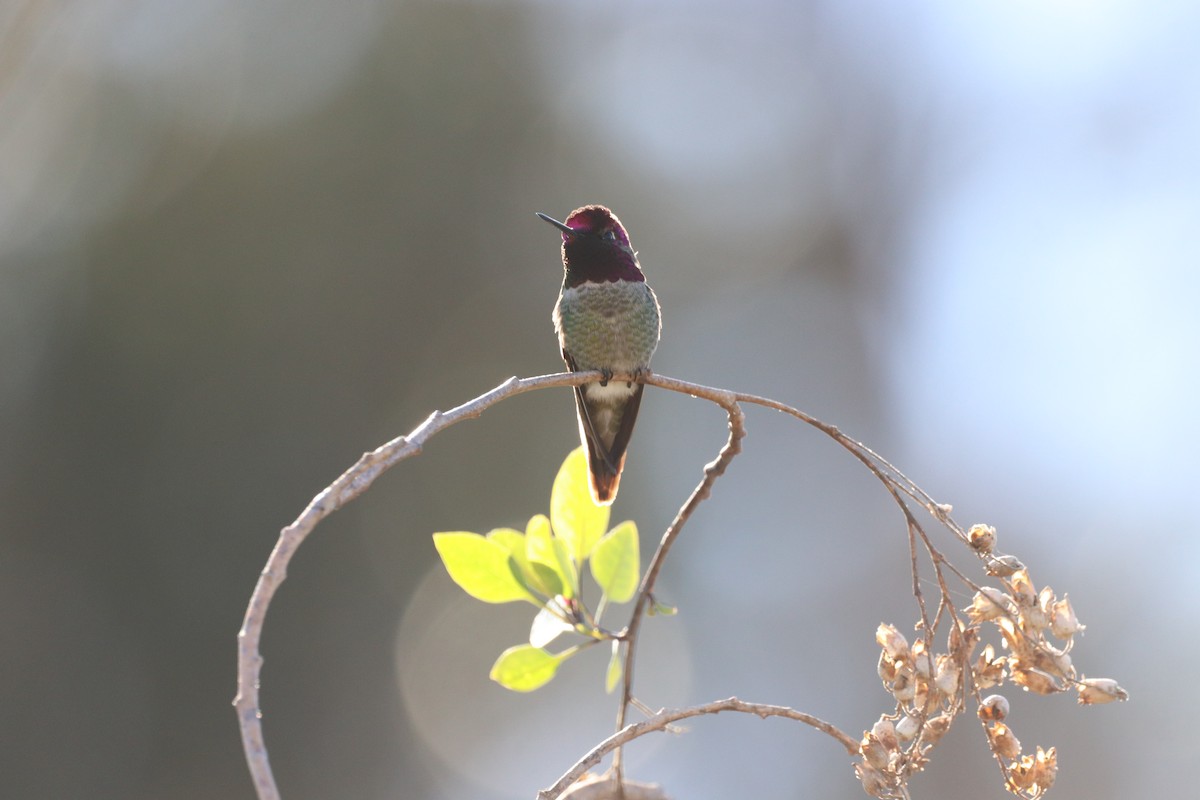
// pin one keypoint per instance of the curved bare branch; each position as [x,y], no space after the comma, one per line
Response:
[665,717]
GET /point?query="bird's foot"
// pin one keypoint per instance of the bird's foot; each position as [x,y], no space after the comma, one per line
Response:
[605,376]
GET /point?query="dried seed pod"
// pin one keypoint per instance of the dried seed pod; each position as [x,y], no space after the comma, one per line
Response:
[922,659]
[994,708]
[982,538]
[892,642]
[906,728]
[886,669]
[1063,622]
[1020,775]
[884,730]
[874,782]
[1003,566]
[1022,588]
[989,603]
[962,640]
[1063,667]
[989,668]
[873,751]
[1033,679]
[1035,774]
[1014,639]
[1046,600]
[1046,768]
[936,727]
[946,677]
[1036,618]
[925,697]
[1003,740]
[904,688]
[1094,691]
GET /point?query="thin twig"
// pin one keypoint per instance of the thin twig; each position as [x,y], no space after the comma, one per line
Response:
[712,471]
[888,473]
[664,718]
[348,486]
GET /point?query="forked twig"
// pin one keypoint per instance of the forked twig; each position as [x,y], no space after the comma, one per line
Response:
[665,718]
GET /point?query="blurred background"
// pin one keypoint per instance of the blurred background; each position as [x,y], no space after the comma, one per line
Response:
[242,243]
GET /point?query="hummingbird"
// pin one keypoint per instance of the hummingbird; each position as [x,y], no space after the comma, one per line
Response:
[607,319]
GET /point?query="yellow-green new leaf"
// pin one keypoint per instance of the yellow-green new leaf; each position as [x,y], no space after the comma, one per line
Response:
[616,562]
[483,568]
[575,518]
[514,542]
[543,558]
[524,668]
[661,609]
[566,568]
[613,675]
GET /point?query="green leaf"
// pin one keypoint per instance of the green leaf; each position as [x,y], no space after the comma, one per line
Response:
[661,609]
[548,579]
[613,675]
[524,668]
[514,542]
[483,568]
[566,567]
[575,518]
[511,540]
[542,556]
[616,562]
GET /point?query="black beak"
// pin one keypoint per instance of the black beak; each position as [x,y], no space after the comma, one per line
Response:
[560,225]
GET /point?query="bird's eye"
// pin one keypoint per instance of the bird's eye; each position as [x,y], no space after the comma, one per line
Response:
[610,236]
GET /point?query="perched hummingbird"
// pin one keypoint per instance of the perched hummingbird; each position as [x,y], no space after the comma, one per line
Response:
[607,319]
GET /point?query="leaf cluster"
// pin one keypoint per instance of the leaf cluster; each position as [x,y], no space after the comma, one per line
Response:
[544,566]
